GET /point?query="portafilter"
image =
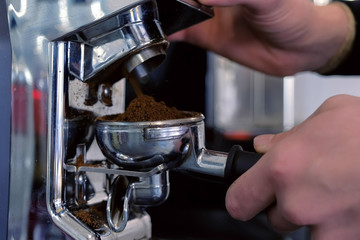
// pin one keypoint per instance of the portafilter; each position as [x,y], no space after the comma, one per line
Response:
[177,144]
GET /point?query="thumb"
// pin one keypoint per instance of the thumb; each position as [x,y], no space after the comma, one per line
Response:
[263,143]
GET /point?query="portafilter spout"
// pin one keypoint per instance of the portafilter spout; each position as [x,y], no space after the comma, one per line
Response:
[177,144]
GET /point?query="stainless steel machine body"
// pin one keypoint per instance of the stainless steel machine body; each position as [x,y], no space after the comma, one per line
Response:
[68,59]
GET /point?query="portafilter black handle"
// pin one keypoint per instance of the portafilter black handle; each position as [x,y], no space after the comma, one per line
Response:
[238,162]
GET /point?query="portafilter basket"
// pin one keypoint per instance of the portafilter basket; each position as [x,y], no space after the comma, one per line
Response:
[176,144]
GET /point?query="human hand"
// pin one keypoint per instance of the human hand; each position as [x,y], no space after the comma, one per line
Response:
[277,37]
[308,176]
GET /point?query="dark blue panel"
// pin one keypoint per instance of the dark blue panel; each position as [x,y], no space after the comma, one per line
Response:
[5,112]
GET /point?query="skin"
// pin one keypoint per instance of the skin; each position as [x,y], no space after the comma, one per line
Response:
[278,37]
[309,175]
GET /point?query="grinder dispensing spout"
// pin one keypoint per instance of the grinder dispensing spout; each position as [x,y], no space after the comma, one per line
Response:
[131,41]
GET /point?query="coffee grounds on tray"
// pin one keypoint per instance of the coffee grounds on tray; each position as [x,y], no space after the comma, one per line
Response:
[144,108]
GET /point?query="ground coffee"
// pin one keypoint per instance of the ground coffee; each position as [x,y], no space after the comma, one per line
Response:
[145,108]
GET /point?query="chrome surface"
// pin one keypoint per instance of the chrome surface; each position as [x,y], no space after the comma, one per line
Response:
[177,144]
[77,191]
[140,64]
[151,191]
[135,144]
[68,57]
[56,140]
[119,195]
[103,44]
[148,191]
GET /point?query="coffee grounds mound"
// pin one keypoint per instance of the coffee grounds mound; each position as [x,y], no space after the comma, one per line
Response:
[93,216]
[144,109]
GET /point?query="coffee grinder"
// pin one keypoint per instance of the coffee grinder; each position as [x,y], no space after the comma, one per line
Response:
[68,61]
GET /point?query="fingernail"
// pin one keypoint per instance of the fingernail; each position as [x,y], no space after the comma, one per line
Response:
[262,142]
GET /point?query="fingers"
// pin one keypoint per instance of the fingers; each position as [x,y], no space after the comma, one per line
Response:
[263,143]
[254,191]
[278,222]
[251,4]
[178,36]
[339,227]
[228,3]
[220,3]
[250,194]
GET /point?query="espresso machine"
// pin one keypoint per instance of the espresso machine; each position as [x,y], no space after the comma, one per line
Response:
[69,62]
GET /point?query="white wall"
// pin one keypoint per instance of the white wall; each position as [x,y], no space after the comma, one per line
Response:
[311,89]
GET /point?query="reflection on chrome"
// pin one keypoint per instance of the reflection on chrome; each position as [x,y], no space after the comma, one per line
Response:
[68,57]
